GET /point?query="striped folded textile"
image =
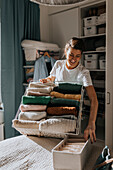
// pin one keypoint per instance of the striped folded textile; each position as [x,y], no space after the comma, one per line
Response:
[56,126]
[32,115]
[68,88]
[41,90]
[32,93]
[41,85]
[43,100]
[66,96]
[27,108]
[57,111]
[64,102]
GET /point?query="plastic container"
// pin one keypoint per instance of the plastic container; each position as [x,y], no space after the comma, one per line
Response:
[91,64]
[102,64]
[91,56]
[91,30]
[90,21]
[70,158]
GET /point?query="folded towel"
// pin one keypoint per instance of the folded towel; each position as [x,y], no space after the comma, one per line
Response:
[68,88]
[26,108]
[25,123]
[32,93]
[56,126]
[62,111]
[40,84]
[43,100]
[41,90]
[64,102]
[31,115]
[66,96]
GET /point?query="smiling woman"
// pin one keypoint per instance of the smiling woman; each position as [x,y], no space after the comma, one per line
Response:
[70,70]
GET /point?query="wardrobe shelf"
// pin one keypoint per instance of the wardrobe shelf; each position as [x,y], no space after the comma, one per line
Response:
[30,66]
[95,35]
[89,52]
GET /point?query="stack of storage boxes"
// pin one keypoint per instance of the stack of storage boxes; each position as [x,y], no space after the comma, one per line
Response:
[91,61]
[90,25]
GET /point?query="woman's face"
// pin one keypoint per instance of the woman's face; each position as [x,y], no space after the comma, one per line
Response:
[73,57]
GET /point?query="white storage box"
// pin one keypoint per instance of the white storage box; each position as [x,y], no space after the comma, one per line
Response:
[91,56]
[91,64]
[71,153]
[102,64]
[91,30]
[90,21]
[1,132]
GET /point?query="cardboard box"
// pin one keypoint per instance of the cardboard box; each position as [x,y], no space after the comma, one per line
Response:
[71,153]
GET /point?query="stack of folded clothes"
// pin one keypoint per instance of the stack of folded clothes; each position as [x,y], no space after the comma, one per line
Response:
[50,109]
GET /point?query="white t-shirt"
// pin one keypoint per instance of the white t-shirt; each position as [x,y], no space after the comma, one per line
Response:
[79,75]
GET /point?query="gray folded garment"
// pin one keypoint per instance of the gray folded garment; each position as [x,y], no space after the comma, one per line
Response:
[41,85]
[41,90]
[32,115]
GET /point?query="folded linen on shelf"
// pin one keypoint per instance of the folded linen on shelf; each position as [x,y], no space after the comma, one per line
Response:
[43,100]
[40,84]
[32,115]
[64,102]
[41,90]
[62,111]
[26,108]
[68,88]
[66,96]
[56,127]
[32,93]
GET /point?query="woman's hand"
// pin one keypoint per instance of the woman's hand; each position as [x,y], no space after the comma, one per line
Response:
[43,80]
[90,131]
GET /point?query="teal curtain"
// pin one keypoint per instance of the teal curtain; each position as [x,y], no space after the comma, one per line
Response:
[20,19]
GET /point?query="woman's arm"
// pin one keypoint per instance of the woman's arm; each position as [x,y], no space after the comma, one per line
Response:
[90,130]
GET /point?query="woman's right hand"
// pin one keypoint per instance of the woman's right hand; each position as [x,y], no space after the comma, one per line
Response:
[43,80]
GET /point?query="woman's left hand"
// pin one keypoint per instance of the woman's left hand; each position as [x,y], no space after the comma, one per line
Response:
[90,131]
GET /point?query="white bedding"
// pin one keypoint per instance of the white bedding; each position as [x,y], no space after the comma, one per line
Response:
[33,153]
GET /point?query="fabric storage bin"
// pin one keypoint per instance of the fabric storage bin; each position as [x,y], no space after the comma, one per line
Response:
[71,153]
[90,21]
[102,64]
[30,54]
[101,18]
[90,30]
[91,64]
[91,56]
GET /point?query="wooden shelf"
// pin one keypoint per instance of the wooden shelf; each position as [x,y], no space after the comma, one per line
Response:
[89,52]
[96,69]
[95,35]
[30,66]
[25,84]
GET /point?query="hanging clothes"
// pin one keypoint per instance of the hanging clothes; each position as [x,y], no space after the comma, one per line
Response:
[43,67]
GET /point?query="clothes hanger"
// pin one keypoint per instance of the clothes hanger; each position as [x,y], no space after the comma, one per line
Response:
[47,54]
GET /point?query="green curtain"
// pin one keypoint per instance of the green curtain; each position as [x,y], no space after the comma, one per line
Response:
[20,19]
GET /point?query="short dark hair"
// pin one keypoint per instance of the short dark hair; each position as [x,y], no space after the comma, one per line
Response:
[75,43]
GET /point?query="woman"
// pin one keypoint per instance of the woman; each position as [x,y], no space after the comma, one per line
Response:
[70,70]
